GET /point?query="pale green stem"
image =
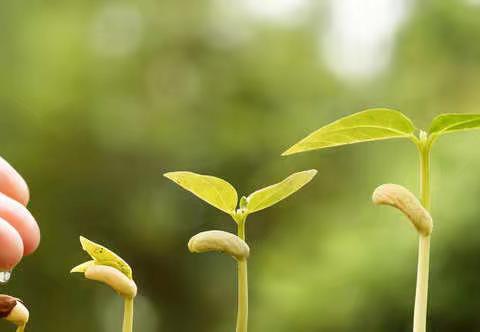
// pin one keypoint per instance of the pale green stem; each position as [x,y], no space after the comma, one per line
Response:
[421,295]
[21,328]
[425,175]
[128,315]
[242,305]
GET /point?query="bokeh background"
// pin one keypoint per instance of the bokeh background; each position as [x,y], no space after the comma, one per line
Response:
[99,98]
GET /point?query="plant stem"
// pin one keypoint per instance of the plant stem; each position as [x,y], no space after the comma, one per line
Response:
[242,311]
[242,276]
[425,174]
[128,315]
[421,296]
[21,328]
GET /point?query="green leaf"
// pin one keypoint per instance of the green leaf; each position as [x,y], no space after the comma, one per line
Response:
[104,256]
[370,125]
[273,194]
[448,123]
[212,190]
[82,267]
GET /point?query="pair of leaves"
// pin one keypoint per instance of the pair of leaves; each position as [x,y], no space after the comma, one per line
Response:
[380,124]
[102,256]
[223,196]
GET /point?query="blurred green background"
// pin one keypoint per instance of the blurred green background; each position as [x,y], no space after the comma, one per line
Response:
[99,98]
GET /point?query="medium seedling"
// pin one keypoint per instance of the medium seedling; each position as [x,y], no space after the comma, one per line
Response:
[381,124]
[110,269]
[223,196]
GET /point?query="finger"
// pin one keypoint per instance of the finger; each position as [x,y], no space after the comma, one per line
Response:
[22,220]
[12,184]
[11,246]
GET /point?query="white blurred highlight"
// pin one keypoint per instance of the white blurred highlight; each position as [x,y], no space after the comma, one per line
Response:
[233,18]
[360,36]
[473,2]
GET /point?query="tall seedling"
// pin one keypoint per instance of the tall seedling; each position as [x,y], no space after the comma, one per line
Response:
[381,124]
[224,197]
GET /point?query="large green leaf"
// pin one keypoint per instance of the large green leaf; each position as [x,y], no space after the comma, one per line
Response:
[212,190]
[448,123]
[273,194]
[370,125]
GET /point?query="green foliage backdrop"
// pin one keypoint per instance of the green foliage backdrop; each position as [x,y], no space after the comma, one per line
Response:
[99,98]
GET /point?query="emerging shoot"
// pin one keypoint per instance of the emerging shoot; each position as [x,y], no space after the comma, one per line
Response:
[14,311]
[110,269]
[222,195]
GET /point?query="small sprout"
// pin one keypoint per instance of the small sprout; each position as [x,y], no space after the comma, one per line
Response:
[14,311]
[107,267]
[402,199]
[219,241]
[110,269]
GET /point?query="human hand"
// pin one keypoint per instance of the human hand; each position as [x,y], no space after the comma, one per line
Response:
[19,232]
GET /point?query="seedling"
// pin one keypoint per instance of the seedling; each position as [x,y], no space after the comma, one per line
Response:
[110,269]
[381,124]
[14,311]
[223,196]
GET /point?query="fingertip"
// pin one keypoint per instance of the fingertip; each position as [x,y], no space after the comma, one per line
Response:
[12,183]
[32,239]
[11,246]
[22,220]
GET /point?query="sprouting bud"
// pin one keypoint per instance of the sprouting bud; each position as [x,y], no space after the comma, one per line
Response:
[241,213]
[112,277]
[243,202]
[107,267]
[13,310]
[423,135]
[402,199]
[219,241]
